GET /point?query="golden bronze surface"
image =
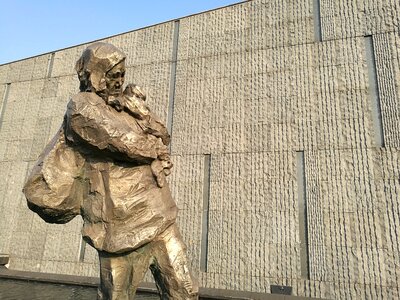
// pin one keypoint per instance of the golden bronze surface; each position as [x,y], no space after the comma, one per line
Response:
[108,163]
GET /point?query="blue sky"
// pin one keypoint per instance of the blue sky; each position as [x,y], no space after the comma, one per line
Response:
[32,27]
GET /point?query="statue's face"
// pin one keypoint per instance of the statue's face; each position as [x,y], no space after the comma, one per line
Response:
[115,79]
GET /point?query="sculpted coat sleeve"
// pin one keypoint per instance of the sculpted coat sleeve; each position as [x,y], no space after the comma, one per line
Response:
[90,120]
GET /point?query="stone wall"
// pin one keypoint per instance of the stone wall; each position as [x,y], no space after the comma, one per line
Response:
[285,139]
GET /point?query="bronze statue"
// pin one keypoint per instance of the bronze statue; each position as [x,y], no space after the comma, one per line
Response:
[108,163]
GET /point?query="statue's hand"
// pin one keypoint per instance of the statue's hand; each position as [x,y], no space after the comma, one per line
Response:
[158,172]
[161,167]
[166,163]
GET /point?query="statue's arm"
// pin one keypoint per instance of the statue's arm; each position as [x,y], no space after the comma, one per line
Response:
[99,126]
[160,129]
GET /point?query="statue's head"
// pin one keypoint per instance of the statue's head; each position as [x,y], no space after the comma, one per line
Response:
[101,69]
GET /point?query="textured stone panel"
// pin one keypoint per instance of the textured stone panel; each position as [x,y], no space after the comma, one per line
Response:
[345,232]
[66,88]
[13,71]
[26,69]
[281,23]
[13,174]
[149,45]
[235,282]
[17,97]
[64,60]
[248,233]
[229,240]
[187,186]
[41,66]
[349,224]
[62,242]
[300,97]
[42,136]
[387,54]
[349,18]
[343,290]
[2,94]
[31,117]
[215,32]
[391,190]
[32,237]
[155,80]
[146,46]
[189,223]
[249,25]
[45,243]
[91,255]
[258,182]
[3,73]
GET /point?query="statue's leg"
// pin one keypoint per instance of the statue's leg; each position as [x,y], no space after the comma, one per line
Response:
[139,263]
[170,266]
[120,274]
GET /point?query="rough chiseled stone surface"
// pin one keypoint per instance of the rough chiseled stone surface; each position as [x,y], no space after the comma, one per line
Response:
[252,88]
[387,53]
[349,18]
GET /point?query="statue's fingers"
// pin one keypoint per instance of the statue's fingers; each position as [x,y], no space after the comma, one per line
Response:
[160,181]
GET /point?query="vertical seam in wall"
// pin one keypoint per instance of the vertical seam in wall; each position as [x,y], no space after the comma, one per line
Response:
[26,172]
[303,221]
[50,65]
[4,103]
[317,20]
[205,215]
[171,96]
[374,91]
[82,248]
